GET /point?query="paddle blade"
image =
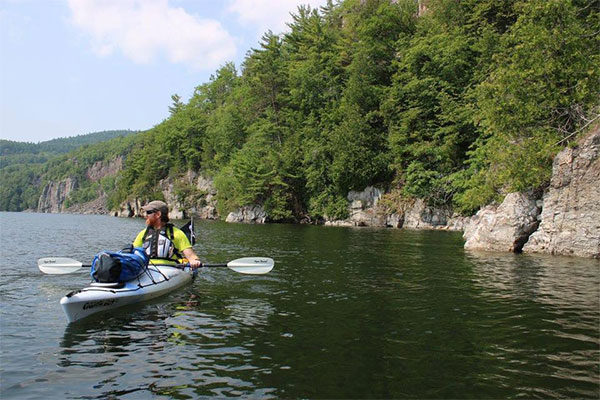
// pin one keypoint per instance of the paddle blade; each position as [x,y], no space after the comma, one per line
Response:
[58,265]
[252,265]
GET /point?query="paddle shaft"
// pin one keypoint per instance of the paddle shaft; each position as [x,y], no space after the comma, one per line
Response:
[246,265]
[202,266]
[226,265]
[178,265]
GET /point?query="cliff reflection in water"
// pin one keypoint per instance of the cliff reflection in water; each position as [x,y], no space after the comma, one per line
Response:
[562,282]
[541,316]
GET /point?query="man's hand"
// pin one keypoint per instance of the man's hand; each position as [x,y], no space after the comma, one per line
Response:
[192,257]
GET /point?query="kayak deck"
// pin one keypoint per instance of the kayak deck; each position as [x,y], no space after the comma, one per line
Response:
[156,281]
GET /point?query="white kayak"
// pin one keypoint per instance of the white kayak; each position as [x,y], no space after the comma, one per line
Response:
[156,281]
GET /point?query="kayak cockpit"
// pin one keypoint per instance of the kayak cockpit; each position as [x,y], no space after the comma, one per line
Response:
[111,285]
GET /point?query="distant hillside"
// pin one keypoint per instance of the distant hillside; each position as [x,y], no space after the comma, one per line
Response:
[12,152]
[26,168]
[60,145]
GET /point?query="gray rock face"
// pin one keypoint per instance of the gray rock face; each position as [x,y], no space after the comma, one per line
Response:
[366,198]
[207,209]
[421,216]
[248,214]
[176,209]
[180,206]
[503,228]
[571,211]
[54,195]
[102,169]
[129,208]
[96,207]
[363,207]
[364,210]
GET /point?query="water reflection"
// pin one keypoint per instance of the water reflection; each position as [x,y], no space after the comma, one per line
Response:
[346,313]
[157,346]
[544,314]
[558,281]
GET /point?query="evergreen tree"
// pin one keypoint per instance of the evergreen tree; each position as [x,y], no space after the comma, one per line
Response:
[458,106]
[542,90]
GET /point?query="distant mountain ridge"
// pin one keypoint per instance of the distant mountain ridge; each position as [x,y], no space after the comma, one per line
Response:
[59,145]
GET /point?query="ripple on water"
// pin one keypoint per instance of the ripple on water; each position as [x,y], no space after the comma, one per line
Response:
[346,313]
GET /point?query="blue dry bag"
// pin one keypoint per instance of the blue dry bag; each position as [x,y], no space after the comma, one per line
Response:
[122,266]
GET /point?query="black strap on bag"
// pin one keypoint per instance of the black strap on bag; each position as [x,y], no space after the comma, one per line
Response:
[107,269]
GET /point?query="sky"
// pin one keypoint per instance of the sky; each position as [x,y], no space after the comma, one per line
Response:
[71,67]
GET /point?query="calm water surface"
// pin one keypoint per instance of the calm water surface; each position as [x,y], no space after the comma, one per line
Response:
[346,313]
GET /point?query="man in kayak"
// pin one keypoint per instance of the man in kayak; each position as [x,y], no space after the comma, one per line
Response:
[164,243]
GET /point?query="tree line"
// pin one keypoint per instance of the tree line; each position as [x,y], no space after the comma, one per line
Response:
[59,145]
[458,107]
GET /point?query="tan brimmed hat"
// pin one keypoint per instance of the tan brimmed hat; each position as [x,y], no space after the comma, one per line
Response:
[157,205]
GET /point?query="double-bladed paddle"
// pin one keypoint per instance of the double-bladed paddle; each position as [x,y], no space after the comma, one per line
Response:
[246,265]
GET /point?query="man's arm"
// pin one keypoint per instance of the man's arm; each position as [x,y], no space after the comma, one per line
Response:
[192,258]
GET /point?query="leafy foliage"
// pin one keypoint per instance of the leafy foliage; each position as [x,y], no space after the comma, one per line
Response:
[457,107]
[542,88]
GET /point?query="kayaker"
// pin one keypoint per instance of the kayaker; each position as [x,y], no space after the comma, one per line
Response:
[163,242]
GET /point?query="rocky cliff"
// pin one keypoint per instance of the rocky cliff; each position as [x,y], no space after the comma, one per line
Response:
[570,220]
[55,194]
[98,206]
[565,221]
[248,215]
[186,195]
[373,207]
[505,227]
[102,169]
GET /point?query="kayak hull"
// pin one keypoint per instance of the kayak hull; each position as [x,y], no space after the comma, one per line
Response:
[156,281]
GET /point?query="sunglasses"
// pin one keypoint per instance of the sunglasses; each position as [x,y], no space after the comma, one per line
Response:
[150,212]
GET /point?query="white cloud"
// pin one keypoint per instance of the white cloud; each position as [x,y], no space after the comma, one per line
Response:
[146,29]
[268,14]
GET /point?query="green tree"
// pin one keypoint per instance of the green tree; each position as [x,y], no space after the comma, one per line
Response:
[177,104]
[542,90]
[361,154]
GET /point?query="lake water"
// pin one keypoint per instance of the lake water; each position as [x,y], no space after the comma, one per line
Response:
[346,313]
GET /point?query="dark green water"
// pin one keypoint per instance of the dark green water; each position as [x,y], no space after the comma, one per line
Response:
[346,313]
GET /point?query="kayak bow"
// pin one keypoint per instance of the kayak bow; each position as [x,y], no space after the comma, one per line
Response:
[156,281]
